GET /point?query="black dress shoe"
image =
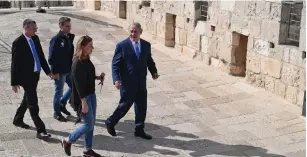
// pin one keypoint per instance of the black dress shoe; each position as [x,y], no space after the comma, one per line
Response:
[43,135]
[111,130]
[64,110]
[59,117]
[67,147]
[22,125]
[142,134]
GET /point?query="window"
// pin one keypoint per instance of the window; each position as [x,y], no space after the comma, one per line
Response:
[145,3]
[201,10]
[291,22]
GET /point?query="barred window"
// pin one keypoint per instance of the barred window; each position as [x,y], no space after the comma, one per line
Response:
[291,22]
[201,10]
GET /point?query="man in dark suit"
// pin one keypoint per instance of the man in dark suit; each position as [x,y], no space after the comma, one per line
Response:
[27,61]
[129,70]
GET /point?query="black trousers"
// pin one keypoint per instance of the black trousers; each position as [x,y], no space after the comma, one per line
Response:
[30,102]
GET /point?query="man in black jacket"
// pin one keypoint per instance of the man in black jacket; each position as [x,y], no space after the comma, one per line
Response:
[27,61]
[61,50]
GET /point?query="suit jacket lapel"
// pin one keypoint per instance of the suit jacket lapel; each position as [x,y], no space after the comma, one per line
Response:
[26,43]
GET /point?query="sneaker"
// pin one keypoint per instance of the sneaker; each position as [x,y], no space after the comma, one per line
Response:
[90,153]
[64,110]
[66,147]
[59,117]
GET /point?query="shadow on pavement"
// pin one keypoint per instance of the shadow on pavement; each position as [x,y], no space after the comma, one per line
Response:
[195,146]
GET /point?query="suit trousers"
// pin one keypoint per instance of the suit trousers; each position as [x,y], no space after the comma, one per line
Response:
[128,98]
[30,102]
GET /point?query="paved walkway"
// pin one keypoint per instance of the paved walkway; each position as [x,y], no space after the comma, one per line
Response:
[194,110]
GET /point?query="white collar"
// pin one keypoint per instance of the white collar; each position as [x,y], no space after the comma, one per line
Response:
[28,38]
[133,42]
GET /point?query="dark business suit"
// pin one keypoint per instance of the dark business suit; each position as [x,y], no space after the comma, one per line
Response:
[22,73]
[131,71]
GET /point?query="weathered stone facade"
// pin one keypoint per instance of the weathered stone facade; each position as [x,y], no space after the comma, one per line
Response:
[245,38]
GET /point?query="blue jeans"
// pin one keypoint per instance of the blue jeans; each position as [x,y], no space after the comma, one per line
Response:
[88,124]
[60,99]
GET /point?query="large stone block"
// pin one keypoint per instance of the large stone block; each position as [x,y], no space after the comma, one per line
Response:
[161,30]
[213,44]
[189,10]
[302,39]
[174,7]
[286,56]
[200,27]
[183,37]
[227,5]
[269,83]
[271,66]
[280,88]
[273,33]
[253,64]
[290,74]
[255,28]
[302,80]
[291,94]
[255,79]
[177,35]
[275,11]
[296,57]
[190,52]
[189,26]
[276,52]
[204,44]
[261,47]
[194,41]
[265,29]
[225,52]
[250,43]
[180,21]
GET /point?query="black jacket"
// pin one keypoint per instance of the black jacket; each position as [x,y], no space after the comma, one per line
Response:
[23,62]
[61,50]
[83,81]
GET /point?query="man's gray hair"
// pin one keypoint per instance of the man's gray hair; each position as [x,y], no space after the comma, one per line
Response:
[27,22]
[136,24]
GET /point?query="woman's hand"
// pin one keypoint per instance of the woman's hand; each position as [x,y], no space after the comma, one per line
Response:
[84,106]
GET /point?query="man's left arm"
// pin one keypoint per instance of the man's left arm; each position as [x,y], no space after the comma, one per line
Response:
[42,58]
[151,64]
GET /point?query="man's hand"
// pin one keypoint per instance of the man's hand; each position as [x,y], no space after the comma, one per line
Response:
[56,76]
[117,84]
[155,76]
[15,88]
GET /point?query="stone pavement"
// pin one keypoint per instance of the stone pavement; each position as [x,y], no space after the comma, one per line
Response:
[194,110]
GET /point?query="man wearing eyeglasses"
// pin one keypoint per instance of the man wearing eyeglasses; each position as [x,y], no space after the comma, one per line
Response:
[129,70]
[61,50]
[27,61]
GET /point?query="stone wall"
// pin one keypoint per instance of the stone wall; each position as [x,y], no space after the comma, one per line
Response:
[240,37]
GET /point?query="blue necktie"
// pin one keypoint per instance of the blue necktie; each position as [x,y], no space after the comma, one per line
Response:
[36,59]
[137,50]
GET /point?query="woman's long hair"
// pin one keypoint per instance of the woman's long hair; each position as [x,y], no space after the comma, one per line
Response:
[83,41]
